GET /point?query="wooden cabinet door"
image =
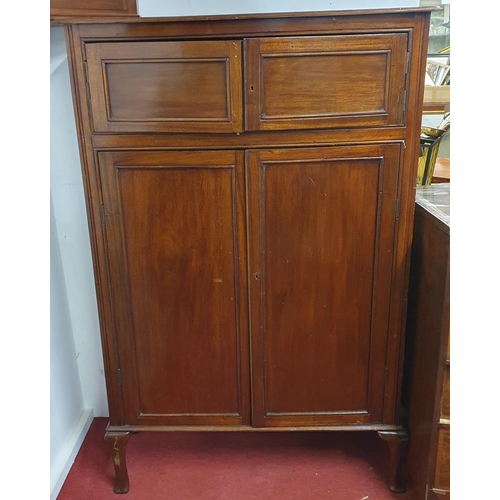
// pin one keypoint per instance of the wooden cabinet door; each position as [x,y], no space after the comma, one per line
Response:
[325,81]
[184,86]
[322,228]
[174,239]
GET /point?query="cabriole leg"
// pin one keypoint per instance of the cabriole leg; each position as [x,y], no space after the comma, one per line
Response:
[116,442]
[397,442]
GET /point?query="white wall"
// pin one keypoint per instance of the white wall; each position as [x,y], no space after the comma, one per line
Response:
[66,402]
[66,188]
[77,390]
[153,8]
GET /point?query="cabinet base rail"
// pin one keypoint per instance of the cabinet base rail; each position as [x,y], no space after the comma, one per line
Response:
[116,439]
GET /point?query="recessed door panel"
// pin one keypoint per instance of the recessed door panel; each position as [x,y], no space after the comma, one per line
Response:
[165,86]
[322,223]
[322,82]
[175,234]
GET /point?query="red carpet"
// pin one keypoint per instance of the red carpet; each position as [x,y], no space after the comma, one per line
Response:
[236,466]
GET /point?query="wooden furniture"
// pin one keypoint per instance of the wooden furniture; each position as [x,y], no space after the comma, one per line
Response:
[427,370]
[441,171]
[250,184]
[68,9]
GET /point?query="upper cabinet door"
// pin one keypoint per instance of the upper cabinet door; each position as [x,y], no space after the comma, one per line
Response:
[165,86]
[323,82]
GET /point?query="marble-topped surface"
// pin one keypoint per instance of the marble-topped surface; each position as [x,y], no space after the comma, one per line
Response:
[436,200]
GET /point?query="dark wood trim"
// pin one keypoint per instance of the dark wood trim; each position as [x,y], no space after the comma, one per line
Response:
[404,230]
[247,428]
[241,27]
[93,200]
[97,18]
[249,140]
[76,10]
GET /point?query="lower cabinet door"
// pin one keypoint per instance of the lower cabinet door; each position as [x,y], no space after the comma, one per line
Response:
[174,243]
[322,229]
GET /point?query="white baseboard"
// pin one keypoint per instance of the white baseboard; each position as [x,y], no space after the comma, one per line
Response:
[61,468]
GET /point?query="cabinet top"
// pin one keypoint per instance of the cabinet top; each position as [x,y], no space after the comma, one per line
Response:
[236,17]
[435,200]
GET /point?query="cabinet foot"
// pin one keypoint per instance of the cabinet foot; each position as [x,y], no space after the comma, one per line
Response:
[116,442]
[397,442]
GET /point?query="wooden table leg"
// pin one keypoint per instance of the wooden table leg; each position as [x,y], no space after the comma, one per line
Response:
[397,442]
[116,442]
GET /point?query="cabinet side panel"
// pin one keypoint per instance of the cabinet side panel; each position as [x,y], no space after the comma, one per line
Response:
[424,347]
[92,191]
[417,46]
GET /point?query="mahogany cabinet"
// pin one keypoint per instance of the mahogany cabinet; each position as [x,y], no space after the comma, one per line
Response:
[426,393]
[250,183]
